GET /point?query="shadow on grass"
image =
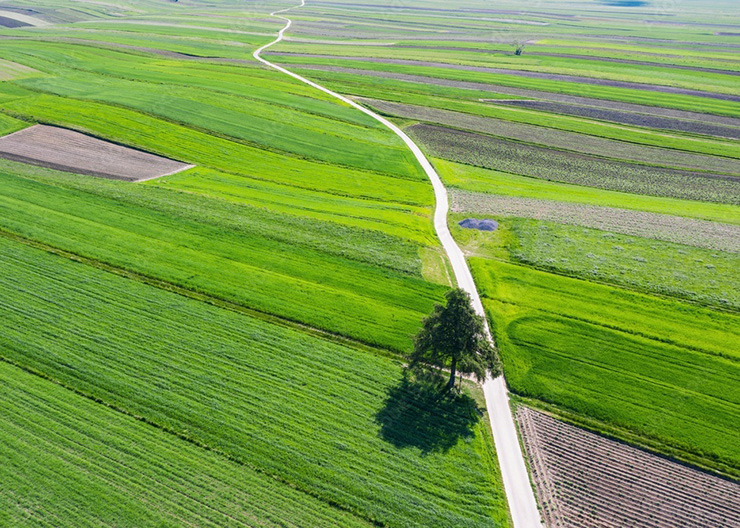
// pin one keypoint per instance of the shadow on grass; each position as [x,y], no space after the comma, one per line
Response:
[417,413]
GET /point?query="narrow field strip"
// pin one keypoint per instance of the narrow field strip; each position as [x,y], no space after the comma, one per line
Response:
[523,73]
[559,139]
[284,403]
[682,230]
[68,459]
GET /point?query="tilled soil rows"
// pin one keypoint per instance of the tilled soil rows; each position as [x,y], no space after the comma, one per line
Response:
[66,150]
[629,118]
[584,480]
[559,139]
[572,167]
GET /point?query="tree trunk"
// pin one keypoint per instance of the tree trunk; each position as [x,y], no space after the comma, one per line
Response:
[451,383]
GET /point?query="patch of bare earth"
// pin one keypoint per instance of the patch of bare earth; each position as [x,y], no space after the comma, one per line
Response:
[584,480]
[629,118]
[690,231]
[66,150]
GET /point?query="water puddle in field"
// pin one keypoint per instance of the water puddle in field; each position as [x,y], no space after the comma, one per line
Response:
[481,225]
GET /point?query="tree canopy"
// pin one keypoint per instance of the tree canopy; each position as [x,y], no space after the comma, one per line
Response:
[454,337]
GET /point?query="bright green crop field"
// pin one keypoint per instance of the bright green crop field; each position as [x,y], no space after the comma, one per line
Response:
[224,346]
[586,213]
[295,409]
[660,368]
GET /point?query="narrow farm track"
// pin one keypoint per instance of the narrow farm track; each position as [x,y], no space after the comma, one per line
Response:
[520,496]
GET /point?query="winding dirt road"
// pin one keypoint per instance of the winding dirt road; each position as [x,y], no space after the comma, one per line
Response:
[517,485]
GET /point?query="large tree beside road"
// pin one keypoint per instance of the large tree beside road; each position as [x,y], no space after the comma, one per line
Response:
[454,337]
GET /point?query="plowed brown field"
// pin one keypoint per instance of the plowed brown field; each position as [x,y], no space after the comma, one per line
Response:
[584,480]
[66,150]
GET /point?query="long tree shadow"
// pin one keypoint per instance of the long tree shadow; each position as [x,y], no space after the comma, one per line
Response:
[418,414]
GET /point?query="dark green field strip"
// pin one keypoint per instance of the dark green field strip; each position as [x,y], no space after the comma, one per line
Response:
[568,167]
[660,319]
[185,144]
[558,139]
[472,91]
[68,461]
[629,118]
[662,369]
[647,77]
[627,95]
[365,302]
[283,403]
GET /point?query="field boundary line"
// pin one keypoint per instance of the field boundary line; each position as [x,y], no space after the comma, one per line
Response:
[207,298]
[517,484]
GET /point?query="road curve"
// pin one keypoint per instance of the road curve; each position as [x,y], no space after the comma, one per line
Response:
[517,485]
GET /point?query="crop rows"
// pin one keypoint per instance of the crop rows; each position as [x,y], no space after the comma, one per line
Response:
[586,481]
[574,79]
[659,368]
[703,275]
[558,139]
[670,228]
[329,420]
[280,277]
[579,169]
[629,118]
[493,88]
[69,461]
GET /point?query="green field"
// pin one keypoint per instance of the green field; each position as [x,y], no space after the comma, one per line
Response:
[586,197]
[656,367]
[70,460]
[225,345]
[299,409]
